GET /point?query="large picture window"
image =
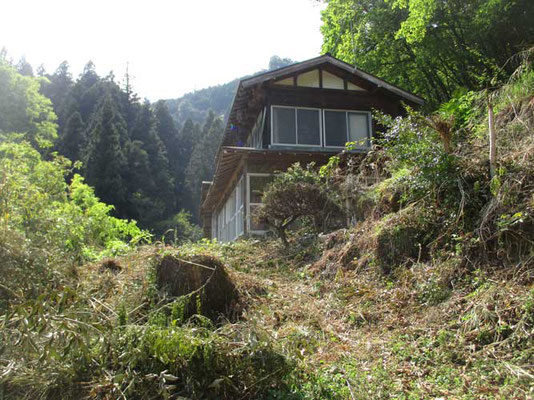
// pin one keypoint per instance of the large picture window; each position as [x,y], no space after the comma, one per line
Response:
[296,126]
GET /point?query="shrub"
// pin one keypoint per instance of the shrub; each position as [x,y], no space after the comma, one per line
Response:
[47,223]
[181,229]
[298,193]
[414,144]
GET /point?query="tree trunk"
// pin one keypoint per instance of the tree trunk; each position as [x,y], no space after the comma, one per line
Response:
[282,236]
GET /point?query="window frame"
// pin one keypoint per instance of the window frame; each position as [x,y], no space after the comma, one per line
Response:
[249,216]
[347,112]
[296,144]
[322,127]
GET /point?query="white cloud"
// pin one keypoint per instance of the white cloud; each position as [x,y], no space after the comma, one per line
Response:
[173,47]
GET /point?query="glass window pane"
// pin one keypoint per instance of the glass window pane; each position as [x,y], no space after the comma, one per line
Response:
[284,125]
[257,185]
[359,129]
[243,191]
[335,123]
[308,129]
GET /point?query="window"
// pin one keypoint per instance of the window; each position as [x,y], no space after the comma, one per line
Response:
[255,138]
[341,127]
[256,186]
[359,128]
[229,223]
[284,125]
[335,123]
[308,127]
[296,126]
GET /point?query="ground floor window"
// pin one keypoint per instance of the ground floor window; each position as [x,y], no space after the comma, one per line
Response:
[256,184]
[228,222]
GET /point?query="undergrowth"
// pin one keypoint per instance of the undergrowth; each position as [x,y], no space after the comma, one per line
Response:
[428,294]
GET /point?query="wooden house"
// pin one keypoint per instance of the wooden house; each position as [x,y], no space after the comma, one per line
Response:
[300,113]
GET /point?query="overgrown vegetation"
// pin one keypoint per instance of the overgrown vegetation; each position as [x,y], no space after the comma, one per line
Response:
[427,295]
[434,48]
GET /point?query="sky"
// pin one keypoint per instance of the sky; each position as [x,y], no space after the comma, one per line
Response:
[171,46]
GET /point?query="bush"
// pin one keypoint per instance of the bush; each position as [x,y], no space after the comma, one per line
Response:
[298,194]
[48,225]
[179,229]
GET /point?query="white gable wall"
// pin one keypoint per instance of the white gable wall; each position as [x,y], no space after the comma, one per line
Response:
[331,81]
[311,79]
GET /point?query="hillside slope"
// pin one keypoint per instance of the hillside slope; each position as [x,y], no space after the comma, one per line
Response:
[429,294]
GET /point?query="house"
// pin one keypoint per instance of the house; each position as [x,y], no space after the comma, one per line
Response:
[299,113]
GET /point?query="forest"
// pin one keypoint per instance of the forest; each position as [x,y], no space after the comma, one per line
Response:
[147,160]
[108,291]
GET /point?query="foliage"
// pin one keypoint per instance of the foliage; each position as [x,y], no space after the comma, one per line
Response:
[411,144]
[47,223]
[181,229]
[430,47]
[298,193]
[23,109]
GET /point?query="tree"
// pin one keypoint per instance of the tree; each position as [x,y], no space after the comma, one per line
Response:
[72,140]
[58,87]
[159,185]
[24,67]
[431,47]
[105,161]
[276,62]
[296,194]
[24,110]
[201,165]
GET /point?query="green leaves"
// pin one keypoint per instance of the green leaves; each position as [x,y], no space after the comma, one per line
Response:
[24,109]
[414,28]
[430,47]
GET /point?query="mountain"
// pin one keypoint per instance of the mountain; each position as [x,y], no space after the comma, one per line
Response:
[195,105]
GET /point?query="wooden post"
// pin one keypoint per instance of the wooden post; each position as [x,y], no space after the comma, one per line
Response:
[493,148]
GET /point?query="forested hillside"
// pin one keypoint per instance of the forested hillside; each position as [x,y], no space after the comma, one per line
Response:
[196,105]
[129,150]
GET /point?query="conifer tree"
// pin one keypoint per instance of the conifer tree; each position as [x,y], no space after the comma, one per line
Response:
[72,140]
[162,184]
[105,161]
[201,164]
[24,67]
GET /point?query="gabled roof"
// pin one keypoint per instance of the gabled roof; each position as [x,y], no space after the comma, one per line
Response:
[327,58]
[248,94]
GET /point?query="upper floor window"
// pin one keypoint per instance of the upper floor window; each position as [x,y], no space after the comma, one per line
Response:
[296,126]
[341,127]
[314,127]
[255,139]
